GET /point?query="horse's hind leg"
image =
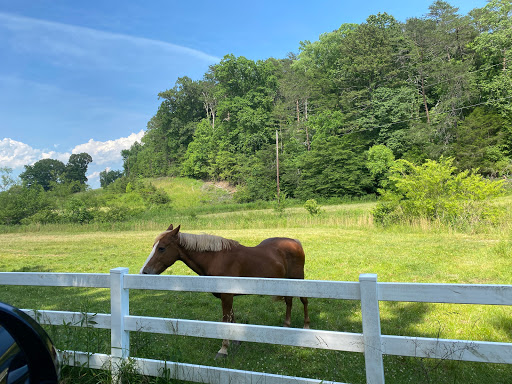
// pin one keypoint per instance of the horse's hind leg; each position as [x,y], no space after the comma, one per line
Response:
[227,317]
[288,319]
[306,314]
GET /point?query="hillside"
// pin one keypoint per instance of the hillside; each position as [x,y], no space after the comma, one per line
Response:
[427,88]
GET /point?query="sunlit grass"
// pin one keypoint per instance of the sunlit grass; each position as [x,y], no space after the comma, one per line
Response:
[340,243]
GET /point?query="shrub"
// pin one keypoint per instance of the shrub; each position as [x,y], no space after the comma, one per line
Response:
[112,214]
[108,176]
[312,207]
[77,212]
[152,195]
[119,185]
[434,191]
[242,194]
[45,216]
[19,203]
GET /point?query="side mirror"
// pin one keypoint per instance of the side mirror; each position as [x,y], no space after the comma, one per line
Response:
[27,354]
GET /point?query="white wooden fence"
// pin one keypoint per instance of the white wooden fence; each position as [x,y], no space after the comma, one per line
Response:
[371,342]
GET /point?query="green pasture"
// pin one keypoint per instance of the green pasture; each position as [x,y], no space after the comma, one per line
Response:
[340,243]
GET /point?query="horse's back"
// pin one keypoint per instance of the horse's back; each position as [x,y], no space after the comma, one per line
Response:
[280,241]
[291,253]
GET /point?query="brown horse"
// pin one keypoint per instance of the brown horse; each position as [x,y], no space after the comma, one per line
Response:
[209,255]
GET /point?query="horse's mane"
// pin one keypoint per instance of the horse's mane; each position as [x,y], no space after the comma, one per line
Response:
[202,243]
[205,243]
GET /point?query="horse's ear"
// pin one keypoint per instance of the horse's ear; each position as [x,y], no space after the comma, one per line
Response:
[170,228]
[175,230]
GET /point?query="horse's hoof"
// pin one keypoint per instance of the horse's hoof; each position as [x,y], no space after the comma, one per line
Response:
[221,356]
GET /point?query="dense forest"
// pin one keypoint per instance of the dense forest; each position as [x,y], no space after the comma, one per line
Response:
[432,87]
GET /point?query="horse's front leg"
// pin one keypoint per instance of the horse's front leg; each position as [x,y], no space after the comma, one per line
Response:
[227,317]
[288,318]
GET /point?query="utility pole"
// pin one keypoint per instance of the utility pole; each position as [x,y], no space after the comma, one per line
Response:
[277,163]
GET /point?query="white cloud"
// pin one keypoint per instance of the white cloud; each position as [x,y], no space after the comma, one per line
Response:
[93,178]
[104,152]
[15,154]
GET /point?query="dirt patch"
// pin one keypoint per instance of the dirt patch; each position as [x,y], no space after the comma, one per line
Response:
[222,185]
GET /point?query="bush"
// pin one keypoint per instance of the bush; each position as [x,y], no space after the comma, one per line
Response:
[434,191]
[312,207]
[112,214]
[45,216]
[119,185]
[19,203]
[242,195]
[152,195]
[107,177]
[77,212]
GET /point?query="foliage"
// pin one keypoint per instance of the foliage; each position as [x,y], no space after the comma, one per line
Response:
[435,191]
[437,85]
[49,173]
[108,176]
[379,160]
[312,207]
[76,168]
[77,212]
[494,48]
[18,203]
[43,173]
[334,167]
[6,180]
[484,142]
[119,185]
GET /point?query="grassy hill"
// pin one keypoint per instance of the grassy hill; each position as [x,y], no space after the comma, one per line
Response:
[188,193]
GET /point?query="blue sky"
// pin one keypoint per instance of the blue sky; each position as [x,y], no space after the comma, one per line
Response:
[84,76]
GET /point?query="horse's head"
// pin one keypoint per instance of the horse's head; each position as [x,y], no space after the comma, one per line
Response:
[164,254]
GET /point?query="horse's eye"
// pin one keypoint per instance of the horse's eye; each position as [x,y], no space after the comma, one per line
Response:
[161,249]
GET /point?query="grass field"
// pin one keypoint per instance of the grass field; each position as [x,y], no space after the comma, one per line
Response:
[340,243]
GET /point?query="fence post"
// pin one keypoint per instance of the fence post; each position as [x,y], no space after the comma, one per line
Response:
[119,308]
[371,329]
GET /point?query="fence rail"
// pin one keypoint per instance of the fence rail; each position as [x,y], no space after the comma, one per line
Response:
[371,342]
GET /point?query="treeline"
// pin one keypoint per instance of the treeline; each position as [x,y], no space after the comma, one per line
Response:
[432,87]
[43,188]
[51,192]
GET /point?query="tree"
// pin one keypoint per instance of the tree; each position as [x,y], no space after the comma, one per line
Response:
[76,168]
[494,47]
[198,158]
[451,87]
[43,172]
[334,167]
[6,180]
[246,92]
[169,131]
[318,61]
[108,176]
[484,142]
[130,159]
[380,158]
